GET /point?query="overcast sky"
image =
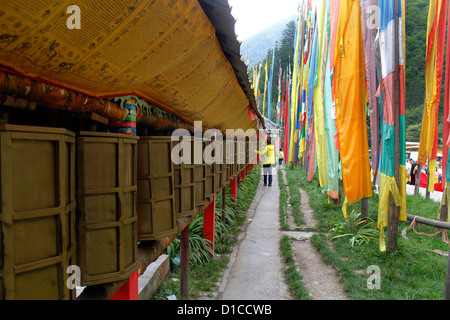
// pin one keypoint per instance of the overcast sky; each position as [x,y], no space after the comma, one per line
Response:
[254,16]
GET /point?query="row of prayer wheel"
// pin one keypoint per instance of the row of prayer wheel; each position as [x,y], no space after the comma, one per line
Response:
[87,199]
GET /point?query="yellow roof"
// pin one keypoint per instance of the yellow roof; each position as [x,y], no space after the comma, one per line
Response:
[165,52]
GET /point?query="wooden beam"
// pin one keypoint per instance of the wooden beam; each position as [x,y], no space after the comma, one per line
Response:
[28,93]
[429,222]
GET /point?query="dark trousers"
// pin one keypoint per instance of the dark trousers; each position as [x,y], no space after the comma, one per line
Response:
[413,179]
[267,170]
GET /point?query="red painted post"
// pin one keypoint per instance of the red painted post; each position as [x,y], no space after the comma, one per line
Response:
[243,175]
[129,290]
[209,222]
[233,189]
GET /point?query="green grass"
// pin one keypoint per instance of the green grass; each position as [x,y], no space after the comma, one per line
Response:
[295,199]
[202,279]
[283,201]
[293,278]
[409,273]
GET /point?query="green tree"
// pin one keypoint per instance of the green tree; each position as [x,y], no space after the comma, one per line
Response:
[415,52]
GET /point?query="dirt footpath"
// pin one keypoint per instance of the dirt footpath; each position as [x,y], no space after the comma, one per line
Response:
[320,278]
[256,267]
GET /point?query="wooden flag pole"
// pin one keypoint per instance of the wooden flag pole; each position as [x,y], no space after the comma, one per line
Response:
[394,210]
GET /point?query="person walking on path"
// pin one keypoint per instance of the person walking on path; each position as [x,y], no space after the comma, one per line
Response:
[269,160]
[280,157]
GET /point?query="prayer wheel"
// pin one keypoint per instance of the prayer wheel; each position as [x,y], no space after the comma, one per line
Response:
[156,193]
[107,187]
[184,182]
[37,215]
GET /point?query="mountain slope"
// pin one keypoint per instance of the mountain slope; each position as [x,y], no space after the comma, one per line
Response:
[258,45]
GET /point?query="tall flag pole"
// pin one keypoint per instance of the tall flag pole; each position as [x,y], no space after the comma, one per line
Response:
[294,91]
[319,127]
[369,26]
[283,97]
[392,161]
[446,142]
[402,107]
[269,93]
[433,78]
[350,103]
[258,93]
[305,50]
[286,116]
[278,120]
[330,125]
[265,90]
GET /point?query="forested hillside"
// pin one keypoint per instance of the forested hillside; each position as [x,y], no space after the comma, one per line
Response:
[284,52]
[256,46]
[416,31]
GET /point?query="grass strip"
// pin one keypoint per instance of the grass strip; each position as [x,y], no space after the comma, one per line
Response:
[293,278]
[413,272]
[283,201]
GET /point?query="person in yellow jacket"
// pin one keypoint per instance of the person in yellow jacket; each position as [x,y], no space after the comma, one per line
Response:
[280,157]
[269,160]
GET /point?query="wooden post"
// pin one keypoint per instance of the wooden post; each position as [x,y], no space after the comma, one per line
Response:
[375,178]
[184,262]
[418,175]
[243,175]
[443,217]
[394,210]
[447,281]
[427,193]
[444,212]
[295,160]
[209,222]
[305,156]
[364,208]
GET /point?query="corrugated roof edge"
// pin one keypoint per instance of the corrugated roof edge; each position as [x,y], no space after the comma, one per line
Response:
[219,13]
